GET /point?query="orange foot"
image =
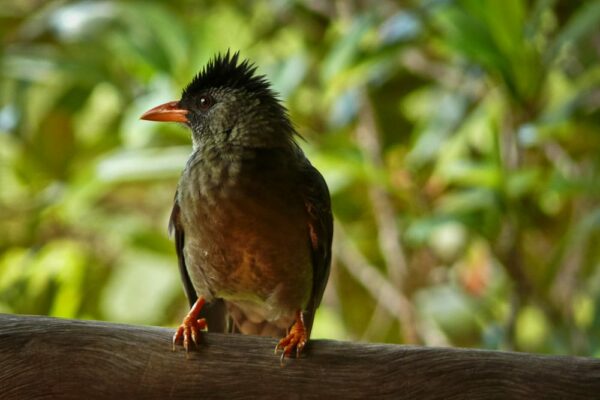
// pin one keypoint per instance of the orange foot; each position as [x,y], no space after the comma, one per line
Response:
[296,339]
[190,327]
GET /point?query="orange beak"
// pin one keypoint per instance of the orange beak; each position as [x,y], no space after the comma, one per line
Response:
[170,111]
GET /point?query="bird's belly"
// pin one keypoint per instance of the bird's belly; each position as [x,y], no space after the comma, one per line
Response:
[251,249]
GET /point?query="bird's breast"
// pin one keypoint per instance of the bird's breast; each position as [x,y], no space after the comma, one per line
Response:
[246,234]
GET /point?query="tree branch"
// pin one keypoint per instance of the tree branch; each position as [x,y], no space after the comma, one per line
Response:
[70,359]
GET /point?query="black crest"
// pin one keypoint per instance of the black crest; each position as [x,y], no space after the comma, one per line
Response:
[225,71]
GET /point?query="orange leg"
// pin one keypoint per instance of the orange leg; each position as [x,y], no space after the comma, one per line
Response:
[191,326]
[296,339]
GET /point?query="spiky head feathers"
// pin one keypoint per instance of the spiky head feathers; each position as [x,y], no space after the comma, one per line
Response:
[225,71]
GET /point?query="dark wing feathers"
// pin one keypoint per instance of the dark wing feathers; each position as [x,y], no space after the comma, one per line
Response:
[320,225]
[176,230]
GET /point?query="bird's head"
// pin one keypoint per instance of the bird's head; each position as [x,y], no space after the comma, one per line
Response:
[226,103]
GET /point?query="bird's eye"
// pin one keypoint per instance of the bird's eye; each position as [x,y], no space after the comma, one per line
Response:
[205,102]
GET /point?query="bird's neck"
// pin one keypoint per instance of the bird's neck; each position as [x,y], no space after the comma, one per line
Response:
[220,173]
[243,136]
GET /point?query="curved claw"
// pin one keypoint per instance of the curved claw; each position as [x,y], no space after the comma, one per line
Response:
[296,339]
[190,328]
[189,331]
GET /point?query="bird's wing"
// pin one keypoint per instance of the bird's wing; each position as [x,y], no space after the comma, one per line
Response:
[320,228]
[215,312]
[176,230]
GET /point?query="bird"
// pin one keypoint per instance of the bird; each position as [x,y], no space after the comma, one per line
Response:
[251,219]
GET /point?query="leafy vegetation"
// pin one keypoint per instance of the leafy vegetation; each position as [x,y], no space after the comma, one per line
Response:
[460,141]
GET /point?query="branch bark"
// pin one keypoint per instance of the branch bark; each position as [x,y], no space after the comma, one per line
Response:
[44,357]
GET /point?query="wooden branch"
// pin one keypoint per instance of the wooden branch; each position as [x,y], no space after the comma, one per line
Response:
[68,359]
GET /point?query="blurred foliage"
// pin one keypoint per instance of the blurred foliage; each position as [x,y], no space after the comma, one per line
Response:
[460,140]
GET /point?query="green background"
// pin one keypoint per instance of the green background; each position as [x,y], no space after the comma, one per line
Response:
[460,141]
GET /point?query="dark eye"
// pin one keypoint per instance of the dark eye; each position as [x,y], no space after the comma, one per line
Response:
[205,102]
